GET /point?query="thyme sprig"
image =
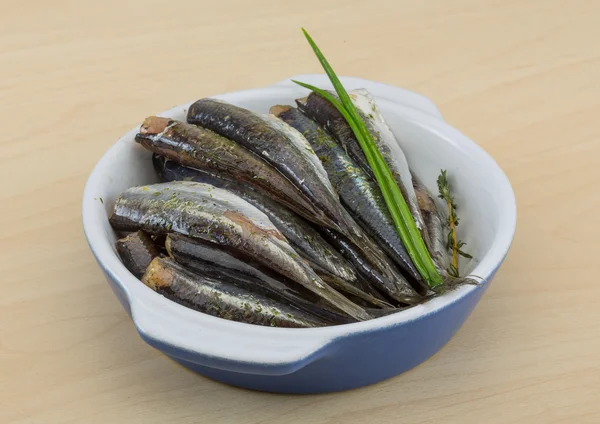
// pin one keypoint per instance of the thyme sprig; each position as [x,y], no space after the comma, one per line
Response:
[453,243]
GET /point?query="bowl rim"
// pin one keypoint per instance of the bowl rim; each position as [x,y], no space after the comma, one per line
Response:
[223,340]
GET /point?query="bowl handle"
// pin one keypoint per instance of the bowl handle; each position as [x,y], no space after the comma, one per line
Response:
[384,91]
[217,343]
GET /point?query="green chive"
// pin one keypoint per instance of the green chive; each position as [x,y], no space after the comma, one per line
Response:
[403,220]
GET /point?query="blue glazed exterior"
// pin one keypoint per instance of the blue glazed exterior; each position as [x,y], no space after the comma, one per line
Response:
[360,359]
[348,362]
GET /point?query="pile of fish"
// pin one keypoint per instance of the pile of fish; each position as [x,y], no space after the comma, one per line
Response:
[275,219]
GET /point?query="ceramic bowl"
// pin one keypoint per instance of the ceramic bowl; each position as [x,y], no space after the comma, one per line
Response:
[330,358]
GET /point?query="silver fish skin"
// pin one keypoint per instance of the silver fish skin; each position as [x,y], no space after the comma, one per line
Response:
[215,215]
[381,279]
[209,260]
[435,224]
[304,239]
[203,149]
[325,114]
[359,194]
[390,148]
[308,243]
[281,146]
[221,299]
[347,288]
[436,238]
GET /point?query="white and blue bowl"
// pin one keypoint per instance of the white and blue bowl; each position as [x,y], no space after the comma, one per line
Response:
[330,358]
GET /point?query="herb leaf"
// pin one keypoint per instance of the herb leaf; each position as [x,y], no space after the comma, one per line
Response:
[453,244]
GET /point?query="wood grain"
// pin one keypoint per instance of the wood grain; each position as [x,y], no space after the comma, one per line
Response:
[519,77]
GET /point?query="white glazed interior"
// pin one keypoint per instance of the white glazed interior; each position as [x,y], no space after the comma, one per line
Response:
[483,192]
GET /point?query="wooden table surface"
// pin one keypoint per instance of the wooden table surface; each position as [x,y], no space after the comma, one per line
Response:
[522,78]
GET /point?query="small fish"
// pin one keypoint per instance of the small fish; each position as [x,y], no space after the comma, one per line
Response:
[215,215]
[304,239]
[203,149]
[221,299]
[208,260]
[136,251]
[368,249]
[390,148]
[378,313]
[387,284]
[436,227]
[281,146]
[316,107]
[323,112]
[359,194]
[347,288]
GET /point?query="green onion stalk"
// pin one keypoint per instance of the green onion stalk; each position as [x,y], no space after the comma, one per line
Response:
[395,202]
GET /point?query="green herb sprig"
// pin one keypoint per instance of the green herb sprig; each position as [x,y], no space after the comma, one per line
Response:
[453,243]
[403,220]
